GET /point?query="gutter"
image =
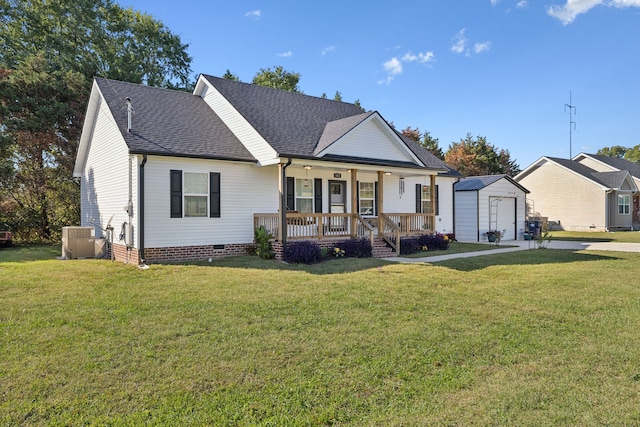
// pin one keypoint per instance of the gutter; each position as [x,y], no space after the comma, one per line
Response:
[141,210]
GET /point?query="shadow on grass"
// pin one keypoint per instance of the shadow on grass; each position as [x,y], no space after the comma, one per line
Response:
[329,266]
[28,253]
[531,257]
[583,239]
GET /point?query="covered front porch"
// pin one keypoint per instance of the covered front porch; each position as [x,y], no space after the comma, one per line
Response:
[370,205]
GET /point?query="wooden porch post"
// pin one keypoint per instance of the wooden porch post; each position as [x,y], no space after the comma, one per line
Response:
[380,204]
[354,200]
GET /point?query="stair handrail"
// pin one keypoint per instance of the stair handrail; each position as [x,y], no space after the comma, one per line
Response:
[392,237]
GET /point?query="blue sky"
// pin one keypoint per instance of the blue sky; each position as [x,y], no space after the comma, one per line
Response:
[503,69]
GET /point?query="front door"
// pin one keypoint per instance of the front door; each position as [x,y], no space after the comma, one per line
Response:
[337,202]
[338,194]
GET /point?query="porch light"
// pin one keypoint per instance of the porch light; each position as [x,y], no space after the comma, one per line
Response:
[307,167]
[387,173]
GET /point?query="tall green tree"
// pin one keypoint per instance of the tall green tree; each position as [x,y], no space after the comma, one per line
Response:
[613,151]
[474,157]
[426,140]
[278,78]
[38,195]
[632,153]
[49,52]
[94,38]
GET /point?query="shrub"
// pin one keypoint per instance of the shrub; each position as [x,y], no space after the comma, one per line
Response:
[409,245]
[355,248]
[303,252]
[434,241]
[263,242]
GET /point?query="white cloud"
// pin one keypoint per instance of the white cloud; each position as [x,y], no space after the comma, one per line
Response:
[254,14]
[422,58]
[287,54]
[394,67]
[494,2]
[460,42]
[328,50]
[522,4]
[568,13]
[481,47]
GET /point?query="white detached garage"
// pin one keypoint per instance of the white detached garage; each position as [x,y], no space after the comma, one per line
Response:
[491,202]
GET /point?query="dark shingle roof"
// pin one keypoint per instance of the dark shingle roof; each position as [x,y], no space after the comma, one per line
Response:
[618,163]
[475,183]
[580,169]
[170,122]
[291,123]
[611,179]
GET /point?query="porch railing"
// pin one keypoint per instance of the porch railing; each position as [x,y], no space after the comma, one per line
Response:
[316,225]
[395,225]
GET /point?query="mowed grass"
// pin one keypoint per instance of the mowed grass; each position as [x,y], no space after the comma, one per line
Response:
[597,236]
[531,338]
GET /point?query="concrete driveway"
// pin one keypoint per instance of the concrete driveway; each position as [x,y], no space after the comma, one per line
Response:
[522,245]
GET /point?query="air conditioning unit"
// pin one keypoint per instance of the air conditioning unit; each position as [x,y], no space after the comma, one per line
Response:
[78,242]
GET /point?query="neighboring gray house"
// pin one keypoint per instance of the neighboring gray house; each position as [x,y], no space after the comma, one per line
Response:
[190,175]
[491,202]
[579,194]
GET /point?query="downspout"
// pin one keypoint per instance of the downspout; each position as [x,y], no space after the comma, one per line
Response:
[283,204]
[141,209]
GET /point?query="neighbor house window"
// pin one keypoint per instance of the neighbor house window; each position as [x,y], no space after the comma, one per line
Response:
[304,195]
[624,204]
[367,194]
[195,194]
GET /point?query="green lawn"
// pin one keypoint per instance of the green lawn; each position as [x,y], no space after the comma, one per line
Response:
[598,236]
[458,248]
[531,338]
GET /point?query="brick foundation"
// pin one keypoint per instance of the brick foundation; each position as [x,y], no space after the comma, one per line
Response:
[193,253]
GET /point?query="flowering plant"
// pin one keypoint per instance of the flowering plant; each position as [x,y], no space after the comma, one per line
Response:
[337,252]
[492,233]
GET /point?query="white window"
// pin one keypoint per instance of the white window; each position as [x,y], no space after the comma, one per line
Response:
[425,199]
[367,192]
[196,194]
[624,204]
[304,195]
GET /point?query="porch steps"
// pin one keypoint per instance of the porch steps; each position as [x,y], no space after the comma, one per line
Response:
[380,249]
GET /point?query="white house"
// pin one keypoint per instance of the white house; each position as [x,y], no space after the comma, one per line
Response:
[190,175]
[491,202]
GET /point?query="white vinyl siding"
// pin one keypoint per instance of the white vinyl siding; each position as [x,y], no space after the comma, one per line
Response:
[371,140]
[240,127]
[245,190]
[105,176]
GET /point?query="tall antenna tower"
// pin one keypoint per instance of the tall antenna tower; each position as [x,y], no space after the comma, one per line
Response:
[572,124]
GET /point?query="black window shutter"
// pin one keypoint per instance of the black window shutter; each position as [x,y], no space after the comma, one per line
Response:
[291,193]
[418,198]
[317,195]
[358,197]
[375,200]
[437,200]
[214,194]
[176,193]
